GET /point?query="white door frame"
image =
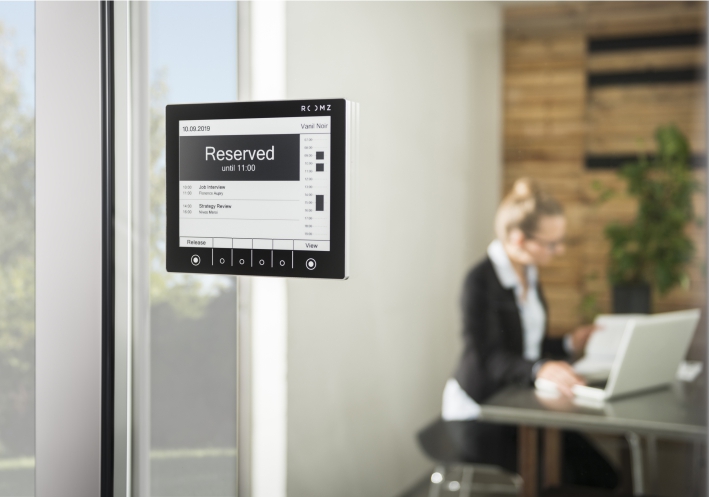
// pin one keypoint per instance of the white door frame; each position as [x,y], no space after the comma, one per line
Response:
[68,249]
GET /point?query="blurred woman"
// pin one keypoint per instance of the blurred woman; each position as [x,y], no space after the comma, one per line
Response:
[505,337]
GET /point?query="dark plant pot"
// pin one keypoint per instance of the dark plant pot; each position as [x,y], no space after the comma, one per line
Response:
[632,299]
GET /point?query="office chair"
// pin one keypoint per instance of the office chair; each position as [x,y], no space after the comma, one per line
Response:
[438,446]
[436,442]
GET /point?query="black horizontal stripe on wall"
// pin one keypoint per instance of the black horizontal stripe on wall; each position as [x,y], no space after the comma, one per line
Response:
[685,39]
[594,161]
[680,75]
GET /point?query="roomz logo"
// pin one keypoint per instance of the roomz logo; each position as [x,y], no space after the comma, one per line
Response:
[315,108]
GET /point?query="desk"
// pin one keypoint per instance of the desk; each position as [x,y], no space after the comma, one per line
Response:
[678,412]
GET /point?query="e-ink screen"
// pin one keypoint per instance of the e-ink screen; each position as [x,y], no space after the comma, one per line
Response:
[255,183]
[260,188]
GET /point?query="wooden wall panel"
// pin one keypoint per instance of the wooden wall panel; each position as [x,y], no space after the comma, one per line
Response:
[552,120]
[623,119]
[545,135]
[638,18]
[647,59]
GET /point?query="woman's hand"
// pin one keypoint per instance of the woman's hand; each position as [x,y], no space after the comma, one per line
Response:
[580,336]
[562,374]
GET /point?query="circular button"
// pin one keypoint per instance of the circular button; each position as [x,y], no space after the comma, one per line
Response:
[283,263]
[262,262]
[310,264]
[195,260]
[222,261]
[242,261]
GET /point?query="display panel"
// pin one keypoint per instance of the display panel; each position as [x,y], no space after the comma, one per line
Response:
[255,179]
[259,188]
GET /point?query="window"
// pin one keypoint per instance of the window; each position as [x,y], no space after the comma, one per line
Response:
[17,261]
[193,318]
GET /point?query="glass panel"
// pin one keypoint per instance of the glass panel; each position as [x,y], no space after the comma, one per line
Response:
[603,104]
[193,318]
[17,203]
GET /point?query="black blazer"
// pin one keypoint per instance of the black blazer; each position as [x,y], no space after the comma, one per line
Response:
[494,340]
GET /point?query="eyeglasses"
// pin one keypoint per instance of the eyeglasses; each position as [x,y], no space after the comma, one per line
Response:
[551,246]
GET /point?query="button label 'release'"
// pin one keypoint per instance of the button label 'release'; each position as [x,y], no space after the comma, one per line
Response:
[186,241]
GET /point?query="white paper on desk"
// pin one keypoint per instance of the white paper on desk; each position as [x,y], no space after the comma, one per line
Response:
[603,344]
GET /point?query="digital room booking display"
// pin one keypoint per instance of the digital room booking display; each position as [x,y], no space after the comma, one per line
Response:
[260,188]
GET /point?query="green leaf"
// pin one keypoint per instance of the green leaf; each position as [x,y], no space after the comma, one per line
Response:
[655,247]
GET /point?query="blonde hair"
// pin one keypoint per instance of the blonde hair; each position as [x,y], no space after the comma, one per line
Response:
[523,207]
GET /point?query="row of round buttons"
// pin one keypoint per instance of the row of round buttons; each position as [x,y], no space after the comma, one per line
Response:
[310,263]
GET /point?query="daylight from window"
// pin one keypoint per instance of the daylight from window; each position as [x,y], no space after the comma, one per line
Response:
[17,262]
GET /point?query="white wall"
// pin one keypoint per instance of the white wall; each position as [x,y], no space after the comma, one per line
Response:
[269,333]
[368,357]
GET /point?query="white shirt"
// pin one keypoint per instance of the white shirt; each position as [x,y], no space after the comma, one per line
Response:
[457,404]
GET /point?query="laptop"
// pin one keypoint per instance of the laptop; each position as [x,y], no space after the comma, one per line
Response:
[602,347]
[649,353]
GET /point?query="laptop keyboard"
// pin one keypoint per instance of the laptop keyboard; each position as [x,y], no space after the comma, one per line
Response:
[601,384]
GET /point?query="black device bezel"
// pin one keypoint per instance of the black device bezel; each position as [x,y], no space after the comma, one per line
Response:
[330,264]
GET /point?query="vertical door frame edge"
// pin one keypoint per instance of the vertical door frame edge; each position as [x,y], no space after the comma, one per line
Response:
[243,284]
[108,290]
[123,257]
[139,156]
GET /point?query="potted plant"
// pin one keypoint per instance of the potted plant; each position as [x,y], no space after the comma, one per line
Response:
[654,249]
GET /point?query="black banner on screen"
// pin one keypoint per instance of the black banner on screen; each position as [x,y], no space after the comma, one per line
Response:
[240,158]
